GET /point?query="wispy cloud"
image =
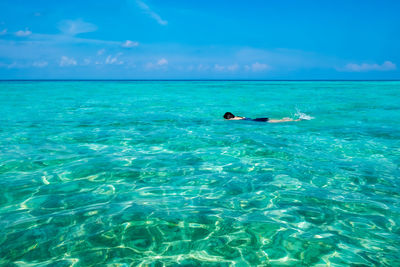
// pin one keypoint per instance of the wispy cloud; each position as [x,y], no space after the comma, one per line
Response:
[23,33]
[352,67]
[74,27]
[114,60]
[151,13]
[233,67]
[219,67]
[3,32]
[202,67]
[129,44]
[15,65]
[101,52]
[161,63]
[54,39]
[87,61]
[256,67]
[40,64]
[47,47]
[282,58]
[66,61]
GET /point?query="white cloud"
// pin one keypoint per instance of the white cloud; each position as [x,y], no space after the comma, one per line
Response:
[3,32]
[40,64]
[257,67]
[17,65]
[101,52]
[74,27]
[219,67]
[114,60]
[14,65]
[111,60]
[86,61]
[129,44]
[162,61]
[151,13]
[23,33]
[66,61]
[281,58]
[149,66]
[53,40]
[233,67]
[202,67]
[352,67]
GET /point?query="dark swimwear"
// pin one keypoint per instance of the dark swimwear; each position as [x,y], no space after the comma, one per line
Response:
[257,119]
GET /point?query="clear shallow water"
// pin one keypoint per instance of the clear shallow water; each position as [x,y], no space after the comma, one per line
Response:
[149,173]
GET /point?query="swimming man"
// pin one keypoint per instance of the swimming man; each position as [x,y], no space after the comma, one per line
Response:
[231,117]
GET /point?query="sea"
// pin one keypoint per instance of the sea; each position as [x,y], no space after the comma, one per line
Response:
[148,173]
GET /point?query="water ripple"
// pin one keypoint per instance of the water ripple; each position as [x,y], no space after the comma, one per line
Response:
[148,174]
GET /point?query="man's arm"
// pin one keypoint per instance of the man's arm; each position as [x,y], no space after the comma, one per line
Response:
[283,120]
[236,118]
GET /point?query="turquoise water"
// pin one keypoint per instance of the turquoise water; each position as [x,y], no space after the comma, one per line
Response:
[148,173]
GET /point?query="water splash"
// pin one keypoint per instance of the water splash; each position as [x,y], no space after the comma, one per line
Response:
[303,116]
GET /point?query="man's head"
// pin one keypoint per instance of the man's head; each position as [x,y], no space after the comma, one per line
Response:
[228,116]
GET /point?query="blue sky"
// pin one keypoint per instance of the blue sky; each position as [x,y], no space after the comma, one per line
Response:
[184,39]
